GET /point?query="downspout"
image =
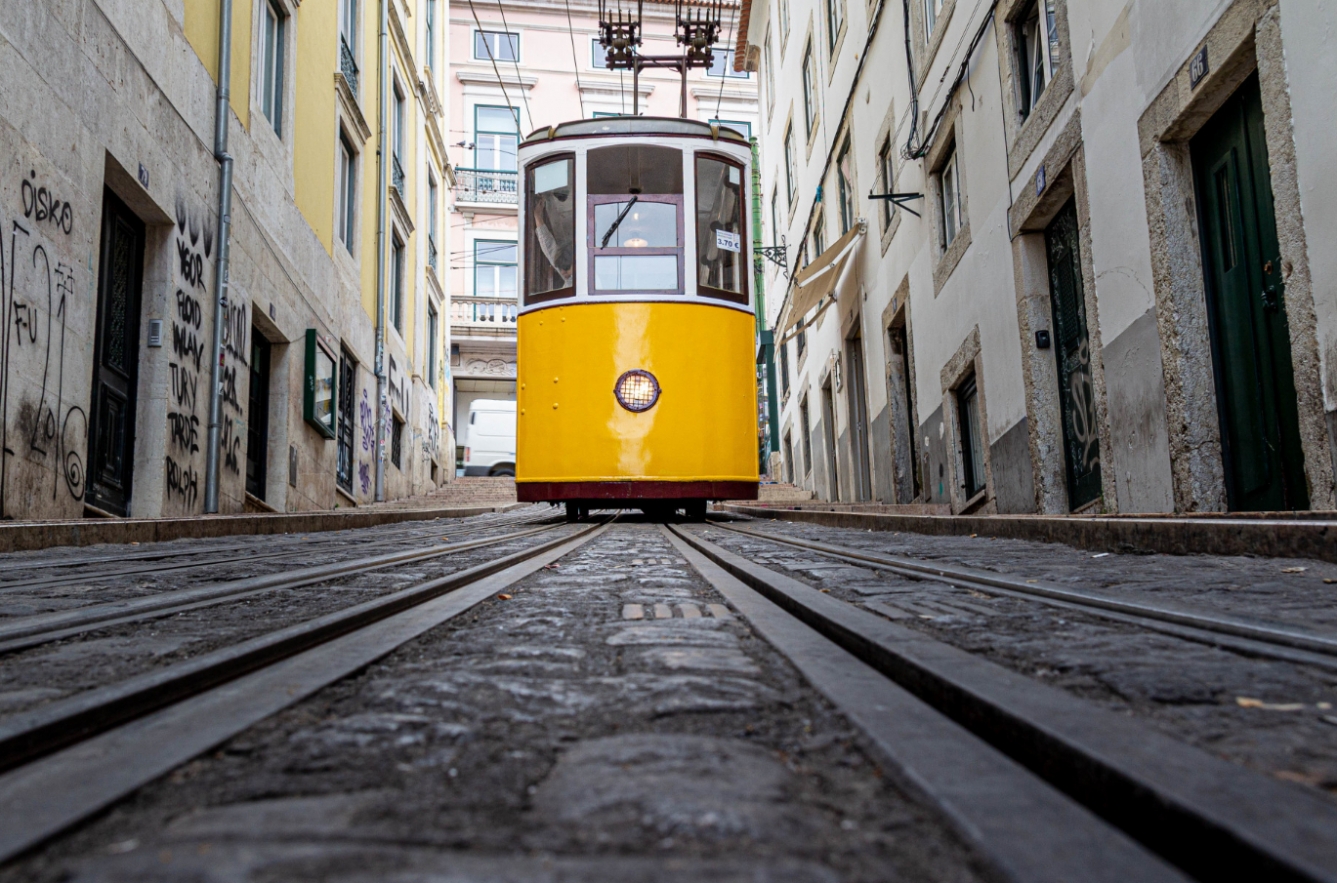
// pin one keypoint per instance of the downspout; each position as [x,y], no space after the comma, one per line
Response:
[224,241]
[765,337]
[382,209]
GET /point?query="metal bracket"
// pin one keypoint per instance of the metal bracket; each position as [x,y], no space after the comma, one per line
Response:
[776,254]
[900,199]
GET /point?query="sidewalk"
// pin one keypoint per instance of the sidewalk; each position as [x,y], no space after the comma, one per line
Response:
[1278,534]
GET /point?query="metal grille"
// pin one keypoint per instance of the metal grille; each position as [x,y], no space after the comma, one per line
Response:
[397,444]
[486,185]
[122,245]
[398,176]
[431,253]
[348,65]
[343,471]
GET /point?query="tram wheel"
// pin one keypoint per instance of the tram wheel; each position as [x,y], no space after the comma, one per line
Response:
[572,512]
[695,510]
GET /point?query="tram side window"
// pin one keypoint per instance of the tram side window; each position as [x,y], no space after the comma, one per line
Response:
[635,208]
[721,270]
[550,245]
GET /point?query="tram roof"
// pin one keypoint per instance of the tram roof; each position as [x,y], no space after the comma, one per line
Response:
[634,125]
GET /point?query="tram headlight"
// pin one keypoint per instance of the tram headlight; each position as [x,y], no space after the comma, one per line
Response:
[637,390]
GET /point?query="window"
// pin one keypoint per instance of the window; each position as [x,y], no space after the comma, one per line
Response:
[775,217]
[348,25]
[494,269]
[398,134]
[397,283]
[720,199]
[931,10]
[496,136]
[433,198]
[721,65]
[949,199]
[784,21]
[271,65]
[432,344]
[784,367]
[790,171]
[347,192]
[550,229]
[635,203]
[397,442]
[430,40]
[742,128]
[834,20]
[496,46]
[845,180]
[598,55]
[789,458]
[1037,53]
[972,443]
[885,173]
[809,90]
[806,435]
[818,237]
[769,65]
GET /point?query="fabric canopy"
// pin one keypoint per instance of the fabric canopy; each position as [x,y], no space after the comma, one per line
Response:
[817,280]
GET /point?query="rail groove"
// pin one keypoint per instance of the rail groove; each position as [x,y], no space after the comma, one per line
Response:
[1213,819]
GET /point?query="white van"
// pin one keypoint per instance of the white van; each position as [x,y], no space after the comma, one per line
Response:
[489,447]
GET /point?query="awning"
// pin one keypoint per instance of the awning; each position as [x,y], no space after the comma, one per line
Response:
[815,282]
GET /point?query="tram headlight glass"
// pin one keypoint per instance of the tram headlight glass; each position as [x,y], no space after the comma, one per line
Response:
[637,390]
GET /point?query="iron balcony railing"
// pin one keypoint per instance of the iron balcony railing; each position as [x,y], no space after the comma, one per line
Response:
[484,312]
[431,253]
[397,175]
[486,185]
[348,65]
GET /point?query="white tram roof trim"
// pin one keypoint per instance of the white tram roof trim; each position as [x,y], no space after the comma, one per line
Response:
[630,125]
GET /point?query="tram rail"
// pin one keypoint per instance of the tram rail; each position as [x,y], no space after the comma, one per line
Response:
[1262,639]
[1210,818]
[68,759]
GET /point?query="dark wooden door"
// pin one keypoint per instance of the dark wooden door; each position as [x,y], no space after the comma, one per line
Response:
[829,418]
[111,432]
[257,417]
[343,469]
[1251,349]
[1077,400]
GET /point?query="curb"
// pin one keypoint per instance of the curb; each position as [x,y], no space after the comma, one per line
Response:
[1280,538]
[32,535]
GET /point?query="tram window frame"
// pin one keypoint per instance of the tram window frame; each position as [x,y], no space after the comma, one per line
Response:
[595,173]
[596,251]
[704,290]
[530,245]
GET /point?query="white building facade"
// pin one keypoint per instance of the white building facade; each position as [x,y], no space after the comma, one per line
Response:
[1099,288]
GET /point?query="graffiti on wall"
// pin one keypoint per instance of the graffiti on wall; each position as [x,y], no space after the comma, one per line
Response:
[193,246]
[37,291]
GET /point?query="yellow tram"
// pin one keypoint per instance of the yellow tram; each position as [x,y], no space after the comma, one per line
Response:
[637,383]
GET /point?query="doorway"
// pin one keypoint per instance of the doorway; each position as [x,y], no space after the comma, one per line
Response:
[111,432]
[858,405]
[907,463]
[829,439]
[1246,309]
[344,453]
[257,417]
[1077,399]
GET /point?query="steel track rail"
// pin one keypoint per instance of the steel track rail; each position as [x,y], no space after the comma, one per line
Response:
[134,732]
[31,734]
[29,585]
[42,628]
[1211,818]
[1203,627]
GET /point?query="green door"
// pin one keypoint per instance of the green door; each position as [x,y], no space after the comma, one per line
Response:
[1251,349]
[1077,398]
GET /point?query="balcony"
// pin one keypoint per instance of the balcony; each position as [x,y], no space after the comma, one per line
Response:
[397,175]
[484,314]
[486,186]
[348,66]
[431,253]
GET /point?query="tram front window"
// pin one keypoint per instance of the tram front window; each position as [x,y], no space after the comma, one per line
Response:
[550,245]
[635,212]
[721,270]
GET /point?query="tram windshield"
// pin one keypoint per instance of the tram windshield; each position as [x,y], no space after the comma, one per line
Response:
[721,270]
[635,213]
[550,244]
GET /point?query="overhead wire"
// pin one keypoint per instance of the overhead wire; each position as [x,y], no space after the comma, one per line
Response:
[575,62]
[724,72]
[920,150]
[515,60]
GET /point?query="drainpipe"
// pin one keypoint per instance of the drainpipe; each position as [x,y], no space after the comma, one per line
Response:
[224,241]
[382,209]
[765,337]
